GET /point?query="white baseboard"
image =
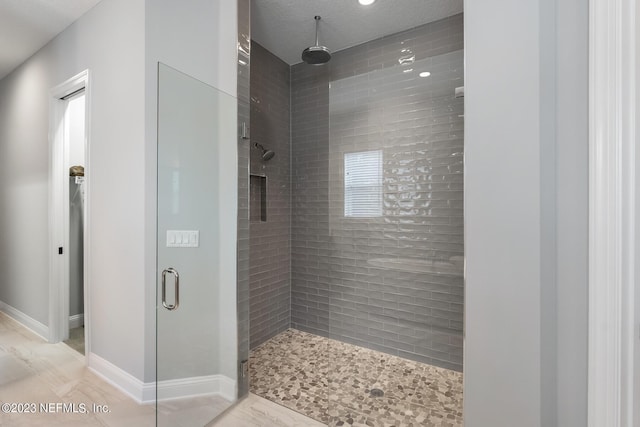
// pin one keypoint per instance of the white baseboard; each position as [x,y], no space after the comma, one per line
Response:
[145,393]
[228,388]
[115,376]
[76,321]
[218,385]
[28,322]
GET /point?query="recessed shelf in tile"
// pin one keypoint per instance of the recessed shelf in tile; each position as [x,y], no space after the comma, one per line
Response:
[258,198]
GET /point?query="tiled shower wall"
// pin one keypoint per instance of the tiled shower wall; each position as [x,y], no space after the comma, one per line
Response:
[244,60]
[392,282]
[270,270]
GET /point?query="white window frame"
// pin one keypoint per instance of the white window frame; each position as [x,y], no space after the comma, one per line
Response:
[365,168]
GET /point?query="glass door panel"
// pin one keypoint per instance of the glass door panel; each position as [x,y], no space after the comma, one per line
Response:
[196,299]
[395,248]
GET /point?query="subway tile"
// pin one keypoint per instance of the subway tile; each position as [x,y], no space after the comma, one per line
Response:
[270,288]
[334,290]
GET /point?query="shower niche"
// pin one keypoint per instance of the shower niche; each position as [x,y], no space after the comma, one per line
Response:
[258,198]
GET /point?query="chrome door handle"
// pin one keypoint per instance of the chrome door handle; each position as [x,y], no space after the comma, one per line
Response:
[175,305]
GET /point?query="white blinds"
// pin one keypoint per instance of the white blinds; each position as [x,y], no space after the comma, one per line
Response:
[363,184]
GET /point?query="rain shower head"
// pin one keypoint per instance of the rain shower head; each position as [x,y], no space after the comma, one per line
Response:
[316,55]
[266,154]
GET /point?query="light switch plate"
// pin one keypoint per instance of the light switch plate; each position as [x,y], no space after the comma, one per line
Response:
[183,238]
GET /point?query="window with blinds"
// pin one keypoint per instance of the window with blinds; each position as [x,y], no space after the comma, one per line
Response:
[363,184]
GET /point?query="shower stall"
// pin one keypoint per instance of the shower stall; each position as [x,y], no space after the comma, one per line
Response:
[356,226]
[348,300]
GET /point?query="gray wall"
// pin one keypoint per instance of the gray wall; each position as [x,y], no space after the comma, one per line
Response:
[244,96]
[367,280]
[504,225]
[177,34]
[114,59]
[526,246]
[270,266]
[115,56]
[572,211]
[188,142]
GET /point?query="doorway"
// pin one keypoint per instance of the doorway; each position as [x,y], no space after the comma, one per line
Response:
[68,201]
[74,123]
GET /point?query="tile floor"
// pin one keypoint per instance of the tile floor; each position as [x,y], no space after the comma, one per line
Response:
[324,379]
[331,382]
[34,371]
[190,412]
[254,411]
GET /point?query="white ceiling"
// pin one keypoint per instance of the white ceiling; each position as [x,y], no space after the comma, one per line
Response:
[284,27]
[287,27]
[27,25]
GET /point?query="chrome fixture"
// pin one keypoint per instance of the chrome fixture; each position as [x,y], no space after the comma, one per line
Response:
[176,303]
[266,154]
[316,55]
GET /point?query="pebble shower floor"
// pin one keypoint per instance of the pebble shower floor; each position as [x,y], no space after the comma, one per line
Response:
[332,382]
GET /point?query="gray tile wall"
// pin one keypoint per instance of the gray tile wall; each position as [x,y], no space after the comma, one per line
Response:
[394,282]
[244,54]
[270,270]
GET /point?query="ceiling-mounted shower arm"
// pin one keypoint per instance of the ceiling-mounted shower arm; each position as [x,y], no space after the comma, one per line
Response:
[317,18]
[316,55]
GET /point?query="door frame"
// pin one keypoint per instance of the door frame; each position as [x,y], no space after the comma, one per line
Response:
[614,213]
[59,212]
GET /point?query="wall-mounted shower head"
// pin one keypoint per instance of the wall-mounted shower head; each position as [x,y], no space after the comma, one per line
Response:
[316,55]
[266,154]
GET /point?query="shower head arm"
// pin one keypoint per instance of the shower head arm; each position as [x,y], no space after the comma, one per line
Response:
[317,18]
[316,55]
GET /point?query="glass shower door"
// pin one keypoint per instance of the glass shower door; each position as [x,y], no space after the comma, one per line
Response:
[196,365]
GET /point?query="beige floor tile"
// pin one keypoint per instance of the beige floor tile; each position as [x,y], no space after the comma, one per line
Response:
[36,372]
[255,411]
